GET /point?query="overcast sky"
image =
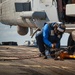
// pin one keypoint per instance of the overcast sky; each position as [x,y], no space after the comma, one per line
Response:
[10,34]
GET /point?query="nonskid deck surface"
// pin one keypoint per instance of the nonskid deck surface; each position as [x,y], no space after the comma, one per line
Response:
[21,60]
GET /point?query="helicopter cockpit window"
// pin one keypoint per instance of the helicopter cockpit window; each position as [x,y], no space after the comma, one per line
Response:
[19,7]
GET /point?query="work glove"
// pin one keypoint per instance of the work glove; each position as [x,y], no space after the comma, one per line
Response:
[53,45]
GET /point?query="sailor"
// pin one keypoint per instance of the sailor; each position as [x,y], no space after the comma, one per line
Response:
[71,43]
[50,36]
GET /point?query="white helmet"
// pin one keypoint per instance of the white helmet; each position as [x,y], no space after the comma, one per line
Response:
[61,27]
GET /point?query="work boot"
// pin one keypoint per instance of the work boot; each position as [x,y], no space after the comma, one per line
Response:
[43,56]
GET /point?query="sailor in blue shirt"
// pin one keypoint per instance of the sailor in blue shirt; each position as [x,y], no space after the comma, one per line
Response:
[50,36]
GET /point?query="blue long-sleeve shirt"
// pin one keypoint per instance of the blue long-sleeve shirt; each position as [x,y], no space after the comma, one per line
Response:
[49,37]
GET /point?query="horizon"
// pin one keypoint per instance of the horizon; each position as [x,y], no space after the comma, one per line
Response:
[10,34]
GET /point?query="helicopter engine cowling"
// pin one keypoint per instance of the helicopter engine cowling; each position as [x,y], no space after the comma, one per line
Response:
[22,30]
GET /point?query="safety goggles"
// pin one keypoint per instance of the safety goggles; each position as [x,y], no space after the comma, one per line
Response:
[58,32]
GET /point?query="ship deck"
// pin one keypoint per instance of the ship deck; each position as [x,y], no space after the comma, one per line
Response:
[22,60]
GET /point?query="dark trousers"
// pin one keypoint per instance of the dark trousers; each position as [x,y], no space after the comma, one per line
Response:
[40,43]
[71,42]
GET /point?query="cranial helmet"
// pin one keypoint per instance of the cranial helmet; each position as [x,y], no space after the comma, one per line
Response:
[61,27]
